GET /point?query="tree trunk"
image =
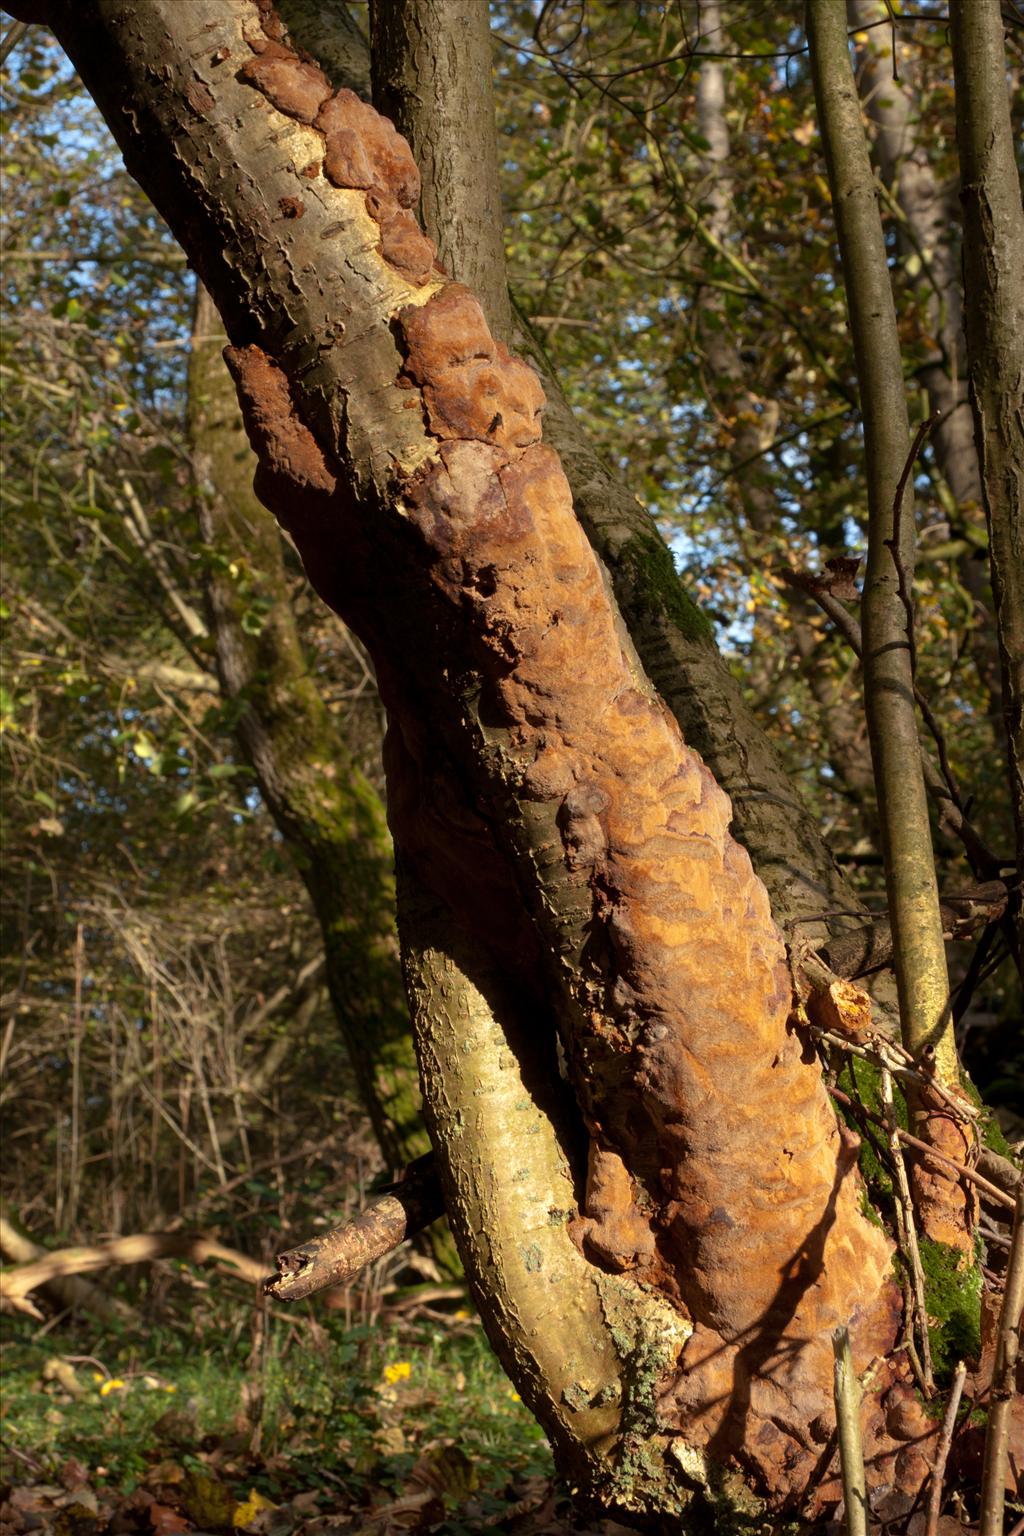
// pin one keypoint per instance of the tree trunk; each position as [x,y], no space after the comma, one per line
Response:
[539,789]
[994,285]
[887,619]
[673,637]
[929,234]
[432,77]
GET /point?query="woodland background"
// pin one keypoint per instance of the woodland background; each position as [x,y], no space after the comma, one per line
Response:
[170,1053]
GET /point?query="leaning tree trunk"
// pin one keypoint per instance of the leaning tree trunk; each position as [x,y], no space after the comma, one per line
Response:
[539,789]
[416,77]
[994,285]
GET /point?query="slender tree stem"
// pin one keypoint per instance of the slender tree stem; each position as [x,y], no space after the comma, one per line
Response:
[888,673]
[994,312]
[942,1452]
[997,1439]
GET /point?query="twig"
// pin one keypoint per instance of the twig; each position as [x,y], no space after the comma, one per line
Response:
[997,1437]
[12,37]
[140,1248]
[30,1461]
[893,544]
[969,1174]
[337,1256]
[942,1450]
[963,992]
[950,1162]
[884,1053]
[908,1231]
[851,1447]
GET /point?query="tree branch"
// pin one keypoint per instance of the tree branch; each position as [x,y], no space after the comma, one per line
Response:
[336,1257]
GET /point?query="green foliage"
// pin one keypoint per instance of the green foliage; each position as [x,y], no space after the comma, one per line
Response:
[354,1407]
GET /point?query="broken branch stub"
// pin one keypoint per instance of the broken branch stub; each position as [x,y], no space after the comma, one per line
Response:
[337,1256]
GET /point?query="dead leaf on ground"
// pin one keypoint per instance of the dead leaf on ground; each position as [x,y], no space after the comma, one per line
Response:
[166,1521]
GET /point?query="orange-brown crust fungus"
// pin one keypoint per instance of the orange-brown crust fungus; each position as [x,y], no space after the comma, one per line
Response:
[293,473]
[297,89]
[405,247]
[472,386]
[368,148]
[448,331]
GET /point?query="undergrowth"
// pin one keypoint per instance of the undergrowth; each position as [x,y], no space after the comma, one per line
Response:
[300,1403]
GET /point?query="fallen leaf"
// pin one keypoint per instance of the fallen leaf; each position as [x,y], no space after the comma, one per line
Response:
[165,1521]
[246,1513]
[208,1502]
[72,1474]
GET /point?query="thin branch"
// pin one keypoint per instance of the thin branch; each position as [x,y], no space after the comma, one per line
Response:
[961,1169]
[894,545]
[12,37]
[908,1231]
[140,1248]
[336,1257]
[942,1450]
[997,1438]
[995,1194]
[851,1447]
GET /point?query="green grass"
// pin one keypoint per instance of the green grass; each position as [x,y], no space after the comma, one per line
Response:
[352,1412]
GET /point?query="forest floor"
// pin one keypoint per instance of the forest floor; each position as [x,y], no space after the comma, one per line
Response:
[303,1424]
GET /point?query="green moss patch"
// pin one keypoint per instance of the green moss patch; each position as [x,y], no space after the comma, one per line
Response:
[658,587]
[953,1301]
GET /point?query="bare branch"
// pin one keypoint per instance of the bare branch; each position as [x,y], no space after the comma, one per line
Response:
[942,1451]
[997,1439]
[140,1248]
[337,1256]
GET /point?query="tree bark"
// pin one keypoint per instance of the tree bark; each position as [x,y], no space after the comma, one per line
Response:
[535,782]
[431,65]
[994,286]
[675,640]
[887,618]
